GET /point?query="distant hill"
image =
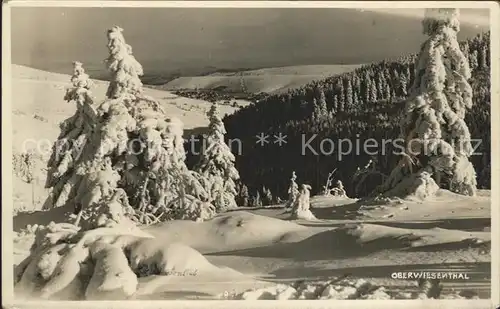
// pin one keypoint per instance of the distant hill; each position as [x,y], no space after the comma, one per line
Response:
[268,80]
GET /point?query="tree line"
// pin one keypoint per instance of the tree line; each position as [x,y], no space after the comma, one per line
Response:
[359,105]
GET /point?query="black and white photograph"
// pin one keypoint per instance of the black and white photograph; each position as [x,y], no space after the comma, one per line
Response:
[256,150]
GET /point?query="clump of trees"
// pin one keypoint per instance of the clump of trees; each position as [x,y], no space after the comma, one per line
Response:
[361,105]
[217,95]
[128,143]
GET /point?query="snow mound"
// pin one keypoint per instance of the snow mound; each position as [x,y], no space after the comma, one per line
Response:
[253,225]
[355,240]
[444,204]
[112,277]
[226,231]
[304,215]
[245,234]
[418,186]
[373,236]
[105,264]
[153,256]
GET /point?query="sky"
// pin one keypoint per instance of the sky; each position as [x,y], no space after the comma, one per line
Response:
[167,40]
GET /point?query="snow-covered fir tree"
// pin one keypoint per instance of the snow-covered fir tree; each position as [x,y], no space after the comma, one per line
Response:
[335,107]
[128,144]
[267,196]
[355,100]
[243,195]
[322,103]
[348,95]
[380,85]
[341,97]
[257,200]
[316,114]
[216,164]
[357,83]
[124,68]
[366,87]
[293,191]
[473,60]
[403,84]
[75,133]
[387,94]
[373,91]
[484,57]
[434,123]
[302,205]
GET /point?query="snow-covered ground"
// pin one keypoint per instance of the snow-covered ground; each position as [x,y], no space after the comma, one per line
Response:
[261,248]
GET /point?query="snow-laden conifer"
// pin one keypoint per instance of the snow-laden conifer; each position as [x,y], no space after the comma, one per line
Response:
[216,164]
[293,191]
[436,135]
[76,132]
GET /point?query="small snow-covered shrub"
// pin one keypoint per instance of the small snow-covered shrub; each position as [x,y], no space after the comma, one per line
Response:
[24,165]
[293,191]
[339,190]
[301,207]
